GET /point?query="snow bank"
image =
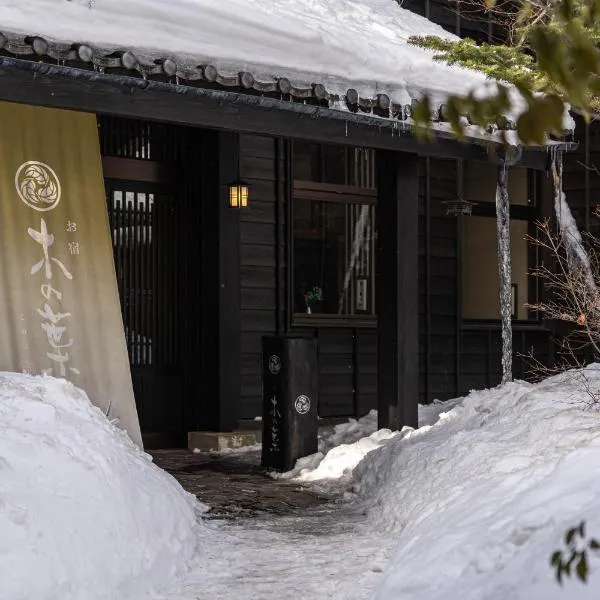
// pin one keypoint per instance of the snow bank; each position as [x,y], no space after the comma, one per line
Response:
[431,413]
[481,498]
[341,460]
[341,448]
[348,433]
[84,514]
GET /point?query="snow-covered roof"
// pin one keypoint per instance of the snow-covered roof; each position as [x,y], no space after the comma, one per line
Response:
[339,51]
[337,44]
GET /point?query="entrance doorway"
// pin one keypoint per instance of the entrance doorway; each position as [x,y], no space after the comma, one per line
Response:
[144,227]
[140,161]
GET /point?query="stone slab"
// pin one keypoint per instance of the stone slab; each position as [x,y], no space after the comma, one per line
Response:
[216,441]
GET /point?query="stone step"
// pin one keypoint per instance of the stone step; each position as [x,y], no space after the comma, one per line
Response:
[216,441]
[249,432]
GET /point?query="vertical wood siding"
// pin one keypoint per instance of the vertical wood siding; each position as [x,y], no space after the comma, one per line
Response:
[452,359]
[438,275]
[347,356]
[258,264]
[581,178]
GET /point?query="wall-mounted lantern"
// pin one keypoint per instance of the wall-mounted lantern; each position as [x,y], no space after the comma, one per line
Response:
[238,194]
[457,207]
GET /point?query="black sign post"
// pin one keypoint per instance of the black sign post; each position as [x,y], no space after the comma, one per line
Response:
[290,389]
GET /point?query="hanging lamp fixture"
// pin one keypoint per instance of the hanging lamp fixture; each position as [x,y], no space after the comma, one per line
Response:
[239,190]
[238,194]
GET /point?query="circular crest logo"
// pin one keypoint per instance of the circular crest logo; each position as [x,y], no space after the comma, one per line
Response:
[302,404]
[38,185]
[274,364]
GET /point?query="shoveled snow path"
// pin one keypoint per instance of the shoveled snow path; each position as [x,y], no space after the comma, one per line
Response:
[329,553]
[474,503]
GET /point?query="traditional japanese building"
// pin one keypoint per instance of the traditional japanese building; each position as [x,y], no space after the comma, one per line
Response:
[255,173]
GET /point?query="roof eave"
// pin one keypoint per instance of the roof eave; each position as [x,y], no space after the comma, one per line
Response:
[62,82]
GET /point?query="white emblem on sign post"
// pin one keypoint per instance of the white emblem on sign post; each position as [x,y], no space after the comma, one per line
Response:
[302,404]
[274,364]
[38,185]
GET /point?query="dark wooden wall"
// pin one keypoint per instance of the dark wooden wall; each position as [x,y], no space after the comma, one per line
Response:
[454,357]
[463,21]
[581,177]
[348,371]
[258,264]
[438,280]
[581,183]
[347,356]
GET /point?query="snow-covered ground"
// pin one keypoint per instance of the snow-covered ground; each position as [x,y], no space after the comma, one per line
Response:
[481,499]
[470,505]
[84,514]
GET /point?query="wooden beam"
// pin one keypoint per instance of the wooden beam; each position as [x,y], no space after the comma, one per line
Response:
[205,274]
[229,307]
[428,278]
[397,289]
[282,158]
[132,169]
[65,87]
[328,192]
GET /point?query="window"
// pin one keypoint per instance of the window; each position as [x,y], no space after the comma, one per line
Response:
[481,286]
[480,282]
[333,220]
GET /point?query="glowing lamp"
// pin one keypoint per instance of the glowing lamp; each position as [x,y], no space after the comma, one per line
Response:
[238,194]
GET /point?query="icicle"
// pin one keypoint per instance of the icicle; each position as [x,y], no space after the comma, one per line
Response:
[503,223]
[576,253]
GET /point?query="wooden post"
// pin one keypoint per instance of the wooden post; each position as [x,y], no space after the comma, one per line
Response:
[228,291]
[397,289]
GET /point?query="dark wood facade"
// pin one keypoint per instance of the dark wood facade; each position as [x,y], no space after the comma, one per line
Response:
[458,355]
[454,355]
[581,178]
[231,270]
[234,284]
[347,355]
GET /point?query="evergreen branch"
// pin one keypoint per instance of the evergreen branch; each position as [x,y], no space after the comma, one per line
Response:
[504,63]
[554,62]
